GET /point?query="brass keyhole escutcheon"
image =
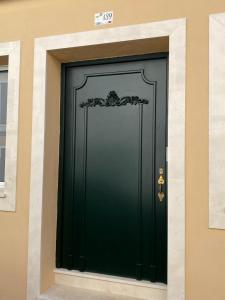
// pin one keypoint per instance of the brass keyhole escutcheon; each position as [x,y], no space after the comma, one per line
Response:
[161,182]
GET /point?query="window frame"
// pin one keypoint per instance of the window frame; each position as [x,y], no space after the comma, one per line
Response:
[10,50]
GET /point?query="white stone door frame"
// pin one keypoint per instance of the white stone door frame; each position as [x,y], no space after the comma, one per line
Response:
[216,120]
[175,30]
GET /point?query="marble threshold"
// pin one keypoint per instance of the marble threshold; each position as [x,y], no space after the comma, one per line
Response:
[61,292]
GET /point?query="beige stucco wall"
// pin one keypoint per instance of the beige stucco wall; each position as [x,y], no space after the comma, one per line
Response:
[26,19]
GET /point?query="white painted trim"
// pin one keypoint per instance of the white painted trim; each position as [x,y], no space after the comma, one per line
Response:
[216,121]
[8,192]
[4,68]
[176,31]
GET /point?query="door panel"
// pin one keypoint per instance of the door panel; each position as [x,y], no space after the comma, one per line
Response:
[113,141]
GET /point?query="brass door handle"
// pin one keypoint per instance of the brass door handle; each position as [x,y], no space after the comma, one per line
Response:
[161,182]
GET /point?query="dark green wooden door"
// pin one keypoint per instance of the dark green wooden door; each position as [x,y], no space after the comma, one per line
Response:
[113,144]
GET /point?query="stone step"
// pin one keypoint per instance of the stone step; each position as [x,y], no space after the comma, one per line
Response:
[59,292]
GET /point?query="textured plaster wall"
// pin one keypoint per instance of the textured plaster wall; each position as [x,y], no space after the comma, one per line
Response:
[28,19]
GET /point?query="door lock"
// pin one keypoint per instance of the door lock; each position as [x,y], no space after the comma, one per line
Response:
[161,182]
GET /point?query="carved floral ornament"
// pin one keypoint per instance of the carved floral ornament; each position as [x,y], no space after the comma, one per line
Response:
[114,100]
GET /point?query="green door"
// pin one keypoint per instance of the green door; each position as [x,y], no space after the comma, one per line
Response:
[112,209]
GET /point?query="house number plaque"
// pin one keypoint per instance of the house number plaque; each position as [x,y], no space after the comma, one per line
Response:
[103,18]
